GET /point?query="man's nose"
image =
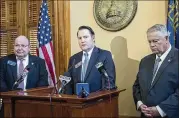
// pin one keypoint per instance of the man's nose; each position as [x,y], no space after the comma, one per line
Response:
[152,44]
[82,39]
[20,47]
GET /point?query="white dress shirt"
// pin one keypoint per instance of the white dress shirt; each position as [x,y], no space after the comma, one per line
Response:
[162,57]
[89,56]
[25,63]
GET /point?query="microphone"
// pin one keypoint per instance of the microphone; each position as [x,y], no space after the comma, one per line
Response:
[23,75]
[101,69]
[65,74]
[65,79]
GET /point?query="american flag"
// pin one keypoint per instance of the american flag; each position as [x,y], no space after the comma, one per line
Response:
[45,47]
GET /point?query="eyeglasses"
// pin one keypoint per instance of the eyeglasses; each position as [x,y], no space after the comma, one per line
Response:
[18,46]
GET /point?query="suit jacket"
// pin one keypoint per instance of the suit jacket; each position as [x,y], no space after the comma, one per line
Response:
[165,89]
[36,77]
[96,80]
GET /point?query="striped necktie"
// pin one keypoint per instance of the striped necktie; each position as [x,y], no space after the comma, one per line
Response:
[157,61]
[21,69]
[85,65]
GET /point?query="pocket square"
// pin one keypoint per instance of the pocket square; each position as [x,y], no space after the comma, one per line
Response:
[12,63]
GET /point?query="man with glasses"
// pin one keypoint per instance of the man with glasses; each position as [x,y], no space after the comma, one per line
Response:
[156,89]
[13,66]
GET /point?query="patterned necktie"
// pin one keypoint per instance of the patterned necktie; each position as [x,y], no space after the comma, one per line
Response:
[21,69]
[155,68]
[85,65]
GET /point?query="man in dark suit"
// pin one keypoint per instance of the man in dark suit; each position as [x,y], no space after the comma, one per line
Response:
[156,89]
[82,67]
[13,66]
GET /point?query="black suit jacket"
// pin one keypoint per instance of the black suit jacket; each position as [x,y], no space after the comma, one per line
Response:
[165,89]
[36,77]
[96,80]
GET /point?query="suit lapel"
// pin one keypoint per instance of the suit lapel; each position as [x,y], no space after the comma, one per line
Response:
[165,63]
[12,63]
[31,66]
[92,62]
[78,68]
[150,71]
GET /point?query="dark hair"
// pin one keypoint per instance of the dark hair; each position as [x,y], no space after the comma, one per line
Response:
[86,27]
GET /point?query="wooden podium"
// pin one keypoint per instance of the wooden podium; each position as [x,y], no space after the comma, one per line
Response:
[40,103]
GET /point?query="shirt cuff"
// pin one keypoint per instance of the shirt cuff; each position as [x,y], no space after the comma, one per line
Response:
[138,104]
[161,112]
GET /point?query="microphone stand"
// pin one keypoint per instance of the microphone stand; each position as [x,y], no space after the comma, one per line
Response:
[15,85]
[51,93]
[55,88]
[107,77]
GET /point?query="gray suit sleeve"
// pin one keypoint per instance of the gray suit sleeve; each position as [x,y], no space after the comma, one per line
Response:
[136,88]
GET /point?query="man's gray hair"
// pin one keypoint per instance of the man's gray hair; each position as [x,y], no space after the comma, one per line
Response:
[159,28]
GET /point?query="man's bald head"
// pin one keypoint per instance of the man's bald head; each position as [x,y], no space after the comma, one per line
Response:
[22,37]
[21,46]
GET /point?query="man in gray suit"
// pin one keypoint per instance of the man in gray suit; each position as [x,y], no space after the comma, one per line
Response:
[156,89]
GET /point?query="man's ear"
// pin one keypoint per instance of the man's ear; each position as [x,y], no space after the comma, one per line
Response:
[93,37]
[167,37]
[29,47]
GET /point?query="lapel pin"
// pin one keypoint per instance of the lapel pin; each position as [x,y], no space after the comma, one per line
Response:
[169,60]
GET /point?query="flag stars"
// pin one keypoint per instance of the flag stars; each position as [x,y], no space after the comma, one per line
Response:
[44,27]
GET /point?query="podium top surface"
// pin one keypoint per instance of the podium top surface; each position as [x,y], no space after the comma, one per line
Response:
[44,93]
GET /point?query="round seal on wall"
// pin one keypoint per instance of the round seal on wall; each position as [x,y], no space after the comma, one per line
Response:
[114,15]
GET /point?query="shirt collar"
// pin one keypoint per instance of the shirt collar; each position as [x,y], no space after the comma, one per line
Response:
[25,58]
[164,54]
[89,52]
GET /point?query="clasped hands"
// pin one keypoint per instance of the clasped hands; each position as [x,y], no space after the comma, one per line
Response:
[149,111]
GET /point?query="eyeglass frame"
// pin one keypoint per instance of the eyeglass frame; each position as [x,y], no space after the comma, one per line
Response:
[18,46]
